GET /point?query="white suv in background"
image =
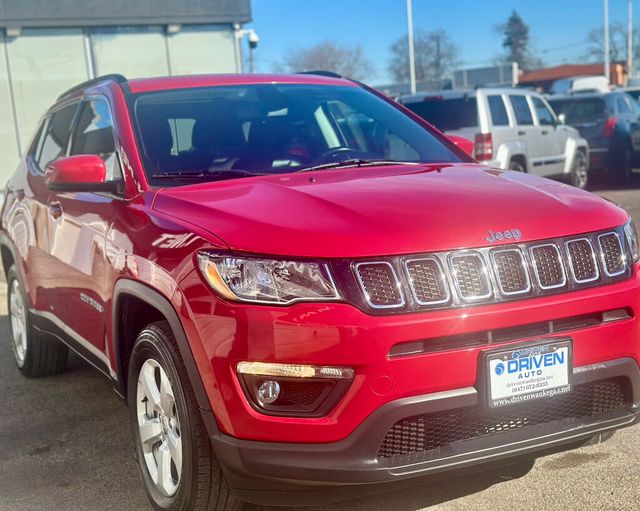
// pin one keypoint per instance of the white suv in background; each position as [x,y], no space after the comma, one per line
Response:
[512,129]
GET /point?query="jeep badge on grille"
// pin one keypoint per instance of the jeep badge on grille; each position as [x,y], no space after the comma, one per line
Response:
[509,234]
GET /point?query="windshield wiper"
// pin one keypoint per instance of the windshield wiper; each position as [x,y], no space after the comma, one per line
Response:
[357,162]
[200,174]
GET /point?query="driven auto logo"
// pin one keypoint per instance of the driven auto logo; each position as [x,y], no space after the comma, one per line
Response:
[529,366]
[499,368]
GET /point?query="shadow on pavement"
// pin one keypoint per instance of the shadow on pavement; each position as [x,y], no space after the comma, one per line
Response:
[434,491]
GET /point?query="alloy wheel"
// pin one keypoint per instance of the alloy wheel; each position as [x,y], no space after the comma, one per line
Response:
[18,323]
[159,427]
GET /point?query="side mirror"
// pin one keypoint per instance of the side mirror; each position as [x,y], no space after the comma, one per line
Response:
[81,173]
[463,143]
[562,118]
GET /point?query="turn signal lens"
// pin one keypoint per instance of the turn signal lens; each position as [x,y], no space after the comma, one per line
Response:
[294,371]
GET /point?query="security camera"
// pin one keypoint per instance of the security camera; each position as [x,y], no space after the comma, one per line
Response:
[253,40]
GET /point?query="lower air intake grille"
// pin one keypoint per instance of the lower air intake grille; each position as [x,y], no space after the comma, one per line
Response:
[427,432]
[380,284]
[612,255]
[548,266]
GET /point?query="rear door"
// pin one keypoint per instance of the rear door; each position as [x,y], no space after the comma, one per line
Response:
[551,137]
[80,222]
[527,131]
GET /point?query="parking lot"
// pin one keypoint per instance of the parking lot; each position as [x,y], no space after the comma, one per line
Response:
[65,444]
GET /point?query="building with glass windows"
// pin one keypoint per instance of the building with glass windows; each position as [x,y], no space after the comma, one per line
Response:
[47,47]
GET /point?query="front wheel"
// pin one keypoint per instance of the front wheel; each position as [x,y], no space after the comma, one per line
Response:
[175,459]
[579,176]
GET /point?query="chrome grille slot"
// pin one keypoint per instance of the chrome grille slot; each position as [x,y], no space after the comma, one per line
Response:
[511,271]
[613,258]
[582,260]
[548,266]
[470,276]
[427,281]
[380,284]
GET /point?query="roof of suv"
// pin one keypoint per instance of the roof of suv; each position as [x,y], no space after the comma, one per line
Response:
[137,85]
[461,93]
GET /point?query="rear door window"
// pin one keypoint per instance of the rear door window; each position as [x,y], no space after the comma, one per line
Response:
[447,114]
[54,144]
[521,110]
[499,116]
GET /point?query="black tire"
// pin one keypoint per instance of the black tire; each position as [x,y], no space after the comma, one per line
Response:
[622,168]
[516,165]
[201,484]
[38,354]
[579,176]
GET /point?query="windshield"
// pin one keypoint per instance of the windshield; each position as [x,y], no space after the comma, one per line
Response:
[579,111]
[447,114]
[237,131]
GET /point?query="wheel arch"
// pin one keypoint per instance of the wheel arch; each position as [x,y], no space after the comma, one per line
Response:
[131,296]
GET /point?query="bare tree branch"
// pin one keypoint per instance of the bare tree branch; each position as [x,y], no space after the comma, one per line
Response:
[328,56]
[435,54]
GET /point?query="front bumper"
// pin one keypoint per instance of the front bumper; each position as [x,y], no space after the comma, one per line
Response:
[259,471]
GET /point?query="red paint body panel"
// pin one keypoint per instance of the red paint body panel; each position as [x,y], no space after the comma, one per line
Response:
[387,210]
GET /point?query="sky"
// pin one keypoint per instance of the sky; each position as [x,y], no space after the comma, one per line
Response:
[558,28]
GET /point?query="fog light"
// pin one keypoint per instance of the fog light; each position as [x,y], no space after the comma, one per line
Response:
[268,392]
[293,390]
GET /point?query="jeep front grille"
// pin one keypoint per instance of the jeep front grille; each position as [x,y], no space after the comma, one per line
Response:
[427,281]
[612,254]
[470,276]
[511,271]
[380,284]
[488,275]
[582,260]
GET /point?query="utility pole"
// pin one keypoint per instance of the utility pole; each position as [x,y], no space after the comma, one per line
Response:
[630,39]
[412,56]
[607,66]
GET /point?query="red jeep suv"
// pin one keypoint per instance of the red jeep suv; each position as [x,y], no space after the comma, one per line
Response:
[302,289]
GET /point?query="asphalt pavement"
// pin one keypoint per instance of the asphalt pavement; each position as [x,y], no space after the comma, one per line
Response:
[65,445]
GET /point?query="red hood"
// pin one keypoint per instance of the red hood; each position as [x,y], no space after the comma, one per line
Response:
[385,210]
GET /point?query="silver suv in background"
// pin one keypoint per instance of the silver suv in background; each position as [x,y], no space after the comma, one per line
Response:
[512,129]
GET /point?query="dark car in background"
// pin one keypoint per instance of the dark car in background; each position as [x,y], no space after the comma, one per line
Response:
[610,122]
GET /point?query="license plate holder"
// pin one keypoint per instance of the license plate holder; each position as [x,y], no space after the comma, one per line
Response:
[527,372]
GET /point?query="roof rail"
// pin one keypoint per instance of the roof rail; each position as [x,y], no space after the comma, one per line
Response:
[320,72]
[115,77]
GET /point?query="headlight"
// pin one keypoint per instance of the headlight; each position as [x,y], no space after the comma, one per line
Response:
[631,234]
[267,280]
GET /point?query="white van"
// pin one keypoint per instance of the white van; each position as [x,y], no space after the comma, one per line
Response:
[577,84]
[512,129]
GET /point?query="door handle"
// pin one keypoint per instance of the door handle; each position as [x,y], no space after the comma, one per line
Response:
[545,132]
[55,209]
[522,133]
